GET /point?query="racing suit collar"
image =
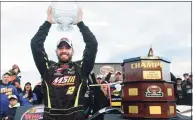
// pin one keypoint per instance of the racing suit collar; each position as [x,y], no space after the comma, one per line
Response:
[69,63]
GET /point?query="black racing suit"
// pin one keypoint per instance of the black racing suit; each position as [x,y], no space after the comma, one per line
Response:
[64,83]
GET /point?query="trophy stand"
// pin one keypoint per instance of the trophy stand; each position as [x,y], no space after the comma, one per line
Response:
[148,92]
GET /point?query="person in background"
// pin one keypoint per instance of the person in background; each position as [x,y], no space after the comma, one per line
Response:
[104,88]
[104,100]
[39,93]
[6,90]
[13,104]
[185,75]
[118,76]
[190,78]
[14,72]
[173,79]
[18,86]
[99,79]
[179,91]
[27,97]
[187,91]
[99,98]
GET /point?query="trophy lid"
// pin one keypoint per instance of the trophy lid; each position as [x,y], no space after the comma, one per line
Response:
[150,56]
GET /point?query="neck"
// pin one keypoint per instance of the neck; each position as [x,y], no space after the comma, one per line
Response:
[13,105]
[16,105]
[105,92]
[62,62]
[5,83]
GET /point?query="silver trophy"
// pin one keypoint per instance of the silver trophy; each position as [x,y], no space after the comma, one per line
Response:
[65,15]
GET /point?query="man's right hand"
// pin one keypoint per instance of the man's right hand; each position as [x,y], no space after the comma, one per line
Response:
[49,15]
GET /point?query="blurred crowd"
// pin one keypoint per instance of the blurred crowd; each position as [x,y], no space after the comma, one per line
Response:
[184,89]
[13,95]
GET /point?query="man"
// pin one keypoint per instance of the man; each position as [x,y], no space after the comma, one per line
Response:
[99,78]
[97,98]
[6,90]
[38,91]
[179,91]
[64,82]
[187,91]
[185,75]
[118,76]
[18,86]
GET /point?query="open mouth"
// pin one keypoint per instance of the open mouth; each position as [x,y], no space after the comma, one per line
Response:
[64,55]
[27,88]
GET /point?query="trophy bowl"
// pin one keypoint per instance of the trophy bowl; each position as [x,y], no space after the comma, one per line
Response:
[65,15]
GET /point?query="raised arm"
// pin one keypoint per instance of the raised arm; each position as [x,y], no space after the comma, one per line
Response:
[38,50]
[37,46]
[107,78]
[93,77]
[90,50]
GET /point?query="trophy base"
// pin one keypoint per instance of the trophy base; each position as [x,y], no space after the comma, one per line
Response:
[149,109]
[132,118]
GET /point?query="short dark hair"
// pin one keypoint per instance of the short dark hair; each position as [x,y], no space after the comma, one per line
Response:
[185,74]
[190,76]
[7,74]
[178,79]
[99,78]
[118,73]
[28,83]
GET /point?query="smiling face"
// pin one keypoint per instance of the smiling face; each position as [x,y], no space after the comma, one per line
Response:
[104,87]
[64,52]
[6,79]
[13,102]
[27,87]
[16,84]
[99,80]
[118,77]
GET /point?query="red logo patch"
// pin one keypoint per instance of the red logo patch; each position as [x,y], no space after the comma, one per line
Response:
[154,91]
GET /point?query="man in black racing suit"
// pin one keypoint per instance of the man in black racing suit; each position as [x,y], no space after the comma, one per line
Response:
[64,81]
